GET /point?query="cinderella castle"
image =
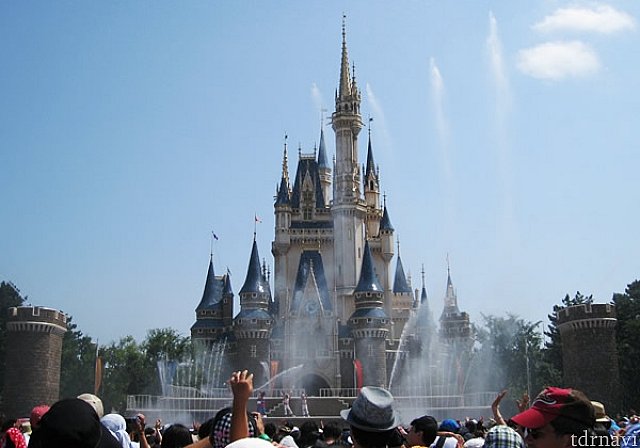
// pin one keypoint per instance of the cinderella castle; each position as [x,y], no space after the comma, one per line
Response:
[334,312]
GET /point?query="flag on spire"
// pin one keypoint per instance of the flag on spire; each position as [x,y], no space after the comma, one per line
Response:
[257,218]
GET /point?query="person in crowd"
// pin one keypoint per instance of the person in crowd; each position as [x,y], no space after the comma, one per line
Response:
[95,402]
[270,430]
[501,436]
[304,405]
[448,436]
[309,434]
[556,418]
[371,418]
[261,403]
[331,433]
[117,425]
[72,423]
[13,438]
[176,436]
[422,431]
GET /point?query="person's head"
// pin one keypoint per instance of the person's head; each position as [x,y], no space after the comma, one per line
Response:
[501,436]
[422,431]
[176,436]
[554,416]
[36,414]
[71,423]
[221,431]
[205,429]
[449,425]
[309,433]
[95,402]
[331,432]
[371,417]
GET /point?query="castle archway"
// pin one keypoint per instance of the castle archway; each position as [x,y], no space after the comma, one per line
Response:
[312,384]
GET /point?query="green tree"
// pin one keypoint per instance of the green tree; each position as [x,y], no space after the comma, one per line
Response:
[9,297]
[509,355]
[124,373]
[163,344]
[77,373]
[553,345]
[628,342]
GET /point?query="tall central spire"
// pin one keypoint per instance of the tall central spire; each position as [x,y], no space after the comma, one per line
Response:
[345,75]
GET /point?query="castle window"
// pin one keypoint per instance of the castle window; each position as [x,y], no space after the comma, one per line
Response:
[253,352]
[370,350]
[307,196]
[306,214]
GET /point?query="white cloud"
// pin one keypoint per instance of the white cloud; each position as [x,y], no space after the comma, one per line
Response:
[558,60]
[600,19]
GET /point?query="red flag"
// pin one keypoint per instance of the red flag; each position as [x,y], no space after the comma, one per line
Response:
[357,365]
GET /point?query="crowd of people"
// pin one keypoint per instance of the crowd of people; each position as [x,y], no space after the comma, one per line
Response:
[557,418]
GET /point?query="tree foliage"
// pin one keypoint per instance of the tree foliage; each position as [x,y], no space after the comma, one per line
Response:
[9,297]
[77,371]
[628,342]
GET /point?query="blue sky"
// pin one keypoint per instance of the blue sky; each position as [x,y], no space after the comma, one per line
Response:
[506,133]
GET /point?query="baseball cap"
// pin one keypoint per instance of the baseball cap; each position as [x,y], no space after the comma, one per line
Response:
[554,402]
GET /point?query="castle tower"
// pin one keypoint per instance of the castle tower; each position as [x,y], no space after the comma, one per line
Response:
[33,356]
[282,242]
[324,169]
[372,193]
[589,352]
[402,298]
[370,325]
[252,326]
[349,209]
[211,322]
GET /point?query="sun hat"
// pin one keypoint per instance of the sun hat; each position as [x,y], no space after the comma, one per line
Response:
[554,402]
[95,402]
[372,410]
[601,415]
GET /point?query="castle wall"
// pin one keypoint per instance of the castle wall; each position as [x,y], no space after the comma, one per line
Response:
[33,357]
[589,352]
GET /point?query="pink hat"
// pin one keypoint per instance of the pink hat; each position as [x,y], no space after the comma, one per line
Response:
[37,413]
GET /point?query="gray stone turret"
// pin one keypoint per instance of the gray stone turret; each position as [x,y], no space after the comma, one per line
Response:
[33,356]
[589,352]
[252,326]
[370,324]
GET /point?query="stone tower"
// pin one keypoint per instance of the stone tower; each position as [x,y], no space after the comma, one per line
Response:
[33,356]
[589,353]
[252,326]
[370,325]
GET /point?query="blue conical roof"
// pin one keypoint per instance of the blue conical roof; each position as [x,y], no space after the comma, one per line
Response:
[226,289]
[254,281]
[385,222]
[423,296]
[322,152]
[371,165]
[400,284]
[283,193]
[368,279]
[212,289]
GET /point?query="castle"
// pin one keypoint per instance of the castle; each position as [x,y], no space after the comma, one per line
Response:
[335,314]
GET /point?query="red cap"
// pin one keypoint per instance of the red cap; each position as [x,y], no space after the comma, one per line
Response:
[554,402]
[37,413]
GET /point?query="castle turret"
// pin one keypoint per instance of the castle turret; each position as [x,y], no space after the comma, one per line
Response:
[252,326]
[324,170]
[210,322]
[369,324]
[282,242]
[589,352]
[372,193]
[33,356]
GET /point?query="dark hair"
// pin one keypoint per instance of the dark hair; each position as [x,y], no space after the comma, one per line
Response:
[331,431]
[176,436]
[371,439]
[308,433]
[205,429]
[270,429]
[429,427]
[566,425]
